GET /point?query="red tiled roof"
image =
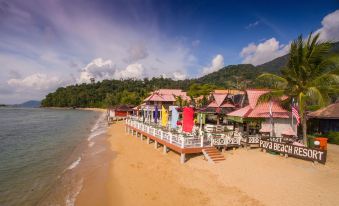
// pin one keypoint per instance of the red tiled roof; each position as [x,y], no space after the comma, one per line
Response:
[219,98]
[213,104]
[329,112]
[261,110]
[254,94]
[240,112]
[166,95]
[227,105]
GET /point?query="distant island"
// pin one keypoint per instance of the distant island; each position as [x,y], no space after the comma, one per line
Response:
[29,104]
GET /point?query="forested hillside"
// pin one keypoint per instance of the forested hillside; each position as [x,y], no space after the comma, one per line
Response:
[114,92]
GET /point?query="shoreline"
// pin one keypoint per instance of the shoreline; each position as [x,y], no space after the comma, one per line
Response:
[246,177]
[79,108]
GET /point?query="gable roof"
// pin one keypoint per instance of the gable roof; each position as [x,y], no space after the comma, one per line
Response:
[254,110]
[166,95]
[219,98]
[329,112]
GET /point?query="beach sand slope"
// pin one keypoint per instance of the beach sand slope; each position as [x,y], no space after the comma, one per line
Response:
[142,175]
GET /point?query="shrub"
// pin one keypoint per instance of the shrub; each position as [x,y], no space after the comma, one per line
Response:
[333,137]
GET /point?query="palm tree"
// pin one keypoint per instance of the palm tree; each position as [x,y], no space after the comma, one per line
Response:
[311,76]
[179,101]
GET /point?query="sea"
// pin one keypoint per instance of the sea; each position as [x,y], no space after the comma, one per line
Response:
[46,154]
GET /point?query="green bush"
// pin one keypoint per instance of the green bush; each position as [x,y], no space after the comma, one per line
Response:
[333,137]
[310,140]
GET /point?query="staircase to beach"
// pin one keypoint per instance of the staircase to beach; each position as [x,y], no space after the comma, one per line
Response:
[213,155]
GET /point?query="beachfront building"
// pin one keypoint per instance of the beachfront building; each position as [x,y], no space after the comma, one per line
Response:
[256,118]
[162,98]
[325,120]
[119,112]
[166,97]
[222,102]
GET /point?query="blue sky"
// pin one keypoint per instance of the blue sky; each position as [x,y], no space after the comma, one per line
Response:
[45,44]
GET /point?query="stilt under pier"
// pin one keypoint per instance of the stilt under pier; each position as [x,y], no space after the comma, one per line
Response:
[165,149]
[182,158]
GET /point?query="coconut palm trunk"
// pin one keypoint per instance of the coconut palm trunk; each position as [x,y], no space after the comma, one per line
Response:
[304,128]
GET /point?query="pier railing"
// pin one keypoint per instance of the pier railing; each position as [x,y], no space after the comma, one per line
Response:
[186,140]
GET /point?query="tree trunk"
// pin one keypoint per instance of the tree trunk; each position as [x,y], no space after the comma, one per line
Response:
[304,125]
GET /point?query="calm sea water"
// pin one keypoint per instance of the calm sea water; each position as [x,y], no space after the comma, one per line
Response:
[38,148]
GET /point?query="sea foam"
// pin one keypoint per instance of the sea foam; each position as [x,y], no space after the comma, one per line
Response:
[71,197]
[99,127]
[74,164]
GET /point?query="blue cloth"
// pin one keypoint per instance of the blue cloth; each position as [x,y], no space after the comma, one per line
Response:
[156,114]
[174,118]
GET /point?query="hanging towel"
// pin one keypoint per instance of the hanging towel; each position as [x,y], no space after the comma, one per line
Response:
[164,116]
[175,117]
[156,115]
[188,119]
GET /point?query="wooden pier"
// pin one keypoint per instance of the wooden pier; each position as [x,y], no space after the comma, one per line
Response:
[170,141]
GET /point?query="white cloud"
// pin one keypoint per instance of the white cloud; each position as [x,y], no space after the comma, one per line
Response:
[134,71]
[179,75]
[99,69]
[263,52]
[330,27]
[36,82]
[217,63]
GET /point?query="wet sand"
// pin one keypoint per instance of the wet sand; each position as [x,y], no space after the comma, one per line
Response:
[142,175]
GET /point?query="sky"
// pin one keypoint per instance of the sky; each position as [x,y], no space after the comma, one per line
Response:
[45,44]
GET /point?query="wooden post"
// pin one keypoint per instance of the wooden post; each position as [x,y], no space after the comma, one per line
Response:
[165,149]
[155,144]
[182,158]
[148,142]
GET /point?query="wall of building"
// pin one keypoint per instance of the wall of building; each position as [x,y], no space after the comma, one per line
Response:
[280,125]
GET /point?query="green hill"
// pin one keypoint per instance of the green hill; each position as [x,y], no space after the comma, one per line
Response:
[113,92]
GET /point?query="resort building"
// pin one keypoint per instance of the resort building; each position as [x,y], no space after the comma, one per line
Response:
[221,103]
[161,98]
[254,118]
[166,97]
[326,119]
[120,111]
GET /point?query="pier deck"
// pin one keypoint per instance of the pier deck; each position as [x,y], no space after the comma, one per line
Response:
[177,142]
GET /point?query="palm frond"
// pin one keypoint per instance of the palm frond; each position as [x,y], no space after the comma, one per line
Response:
[274,95]
[315,95]
[272,77]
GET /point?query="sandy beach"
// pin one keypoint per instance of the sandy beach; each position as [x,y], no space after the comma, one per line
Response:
[142,175]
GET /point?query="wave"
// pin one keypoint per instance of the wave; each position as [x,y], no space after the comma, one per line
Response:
[71,197]
[74,164]
[90,144]
[99,127]
[97,133]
